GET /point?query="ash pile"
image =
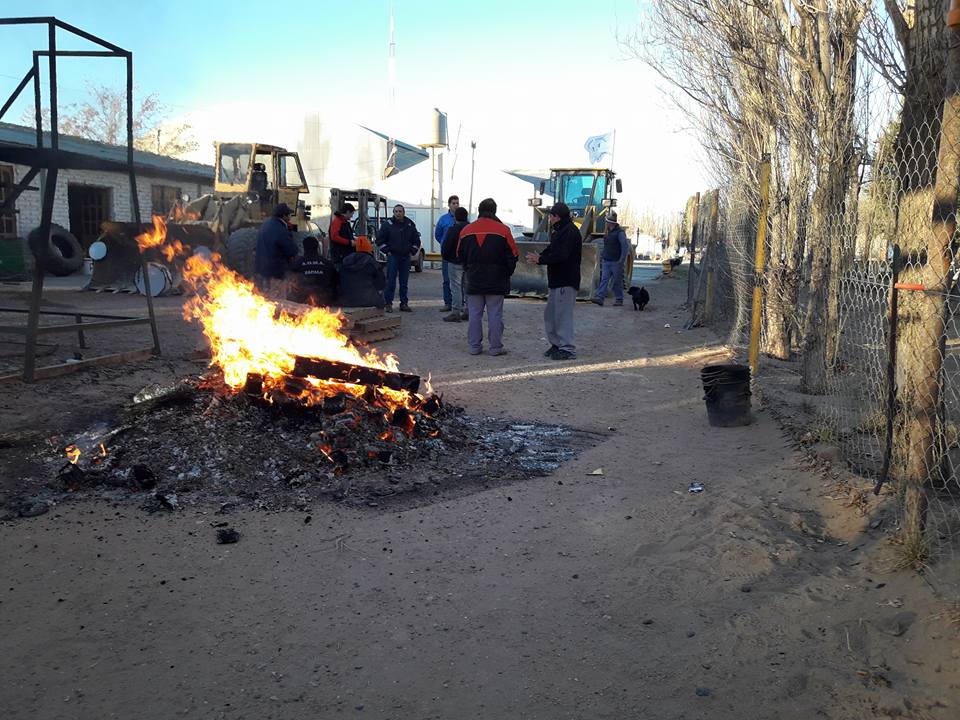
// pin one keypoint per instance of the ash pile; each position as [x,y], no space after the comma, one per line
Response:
[199,443]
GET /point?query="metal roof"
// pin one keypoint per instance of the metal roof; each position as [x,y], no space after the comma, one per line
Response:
[144,162]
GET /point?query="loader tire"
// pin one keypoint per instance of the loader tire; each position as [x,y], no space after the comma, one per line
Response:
[241,251]
[60,254]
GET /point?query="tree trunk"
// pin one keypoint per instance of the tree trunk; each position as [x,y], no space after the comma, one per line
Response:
[928,163]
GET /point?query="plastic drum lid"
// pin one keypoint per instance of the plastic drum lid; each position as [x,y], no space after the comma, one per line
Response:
[159,279]
[97,250]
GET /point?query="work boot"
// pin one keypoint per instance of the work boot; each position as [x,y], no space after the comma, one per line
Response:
[618,303]
[498,351]
[388,307]
[549,353]
[452,317]
[446,308]
[405,308]
[596,302]
[563,355]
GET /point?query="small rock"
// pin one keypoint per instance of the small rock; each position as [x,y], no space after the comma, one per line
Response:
[227,536]
[703,691]
[745,588]
[898,624]
[648,621]
[690,633]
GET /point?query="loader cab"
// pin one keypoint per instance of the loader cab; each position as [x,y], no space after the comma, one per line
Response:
[266,174]
[588,192]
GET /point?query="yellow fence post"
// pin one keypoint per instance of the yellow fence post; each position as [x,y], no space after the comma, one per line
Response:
[760,261]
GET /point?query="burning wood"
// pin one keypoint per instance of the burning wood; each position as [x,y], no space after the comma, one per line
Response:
[354,374]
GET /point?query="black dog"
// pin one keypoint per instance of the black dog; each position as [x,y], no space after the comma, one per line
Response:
[640,297]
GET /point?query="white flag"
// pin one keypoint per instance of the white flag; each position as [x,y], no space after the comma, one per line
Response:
[598,145]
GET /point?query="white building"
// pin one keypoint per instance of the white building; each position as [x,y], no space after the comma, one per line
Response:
[86,198]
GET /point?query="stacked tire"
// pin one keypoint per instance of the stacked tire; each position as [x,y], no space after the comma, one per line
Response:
[59,253]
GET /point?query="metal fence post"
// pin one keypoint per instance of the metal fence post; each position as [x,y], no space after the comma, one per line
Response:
[760,259]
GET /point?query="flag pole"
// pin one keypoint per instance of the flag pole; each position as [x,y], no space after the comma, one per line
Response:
[613,148]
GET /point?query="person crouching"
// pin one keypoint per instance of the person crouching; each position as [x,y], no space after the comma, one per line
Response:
[313,279]
[361,279]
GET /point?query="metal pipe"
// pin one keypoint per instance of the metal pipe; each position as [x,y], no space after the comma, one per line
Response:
[760,259]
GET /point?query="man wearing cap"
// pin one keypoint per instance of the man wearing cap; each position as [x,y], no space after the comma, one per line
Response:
[275,250]
[613,253]
[562,258]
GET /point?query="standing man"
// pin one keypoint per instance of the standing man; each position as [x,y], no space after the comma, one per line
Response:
[451,255]
[275,251]
[398,239]
[489,258]
[613,253]
[445,222]
[341,234]
[562,258]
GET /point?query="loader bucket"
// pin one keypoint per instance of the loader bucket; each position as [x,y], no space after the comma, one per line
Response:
[116,271]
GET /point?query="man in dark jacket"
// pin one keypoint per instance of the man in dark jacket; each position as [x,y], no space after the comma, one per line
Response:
[489,257]
[451,260]
[275,250]
[361,279]
[341,233]
[562,258]
[313,278]
[613,253]
[398,239]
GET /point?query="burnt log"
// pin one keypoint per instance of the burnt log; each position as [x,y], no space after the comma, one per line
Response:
[355,374]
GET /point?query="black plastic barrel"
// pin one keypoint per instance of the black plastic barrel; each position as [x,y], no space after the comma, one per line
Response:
[726,390]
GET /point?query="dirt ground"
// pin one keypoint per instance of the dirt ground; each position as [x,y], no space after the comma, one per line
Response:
[576,595]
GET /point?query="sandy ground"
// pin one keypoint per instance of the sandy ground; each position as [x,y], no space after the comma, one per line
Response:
[576,595]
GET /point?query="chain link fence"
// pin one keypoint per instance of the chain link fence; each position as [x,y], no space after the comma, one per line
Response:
[878,350]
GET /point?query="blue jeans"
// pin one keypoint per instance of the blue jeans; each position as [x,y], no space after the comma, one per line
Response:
[610,271]
[447,294]
[397,266]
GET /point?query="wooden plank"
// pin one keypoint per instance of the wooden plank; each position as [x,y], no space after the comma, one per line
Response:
[382,323]
[68,368]
[357,374]
[362,313]
[374,336]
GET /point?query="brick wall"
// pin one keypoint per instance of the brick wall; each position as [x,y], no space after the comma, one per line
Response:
[28,204]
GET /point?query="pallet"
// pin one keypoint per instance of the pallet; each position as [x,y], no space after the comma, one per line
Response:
[374,336]
[375,324]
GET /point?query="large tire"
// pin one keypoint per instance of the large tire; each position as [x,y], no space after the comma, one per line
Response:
[418,263]
[241,251]
[59,254]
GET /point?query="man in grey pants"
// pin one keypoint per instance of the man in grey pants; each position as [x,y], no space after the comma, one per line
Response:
[489,257]
[562,258]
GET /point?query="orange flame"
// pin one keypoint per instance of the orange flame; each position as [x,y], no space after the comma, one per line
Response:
[251,334]
[103,450]
[73,453]
[157,237]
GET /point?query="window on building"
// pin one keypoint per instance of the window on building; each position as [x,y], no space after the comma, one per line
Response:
[163,198]
[8,219]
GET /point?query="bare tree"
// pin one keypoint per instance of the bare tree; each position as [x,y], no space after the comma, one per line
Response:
[103,117]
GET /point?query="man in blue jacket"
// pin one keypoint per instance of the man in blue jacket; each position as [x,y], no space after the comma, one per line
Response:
[398,239]
[275,251]
[613,254]
[445,222]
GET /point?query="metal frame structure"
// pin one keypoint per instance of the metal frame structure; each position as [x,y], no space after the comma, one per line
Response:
[51,160]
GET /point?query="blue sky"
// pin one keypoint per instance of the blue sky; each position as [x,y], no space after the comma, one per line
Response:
[529,80]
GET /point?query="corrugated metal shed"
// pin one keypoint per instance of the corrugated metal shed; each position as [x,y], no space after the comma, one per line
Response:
[145,162]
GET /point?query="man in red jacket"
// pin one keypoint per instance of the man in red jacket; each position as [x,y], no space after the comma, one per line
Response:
[341,234]
[489,257]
